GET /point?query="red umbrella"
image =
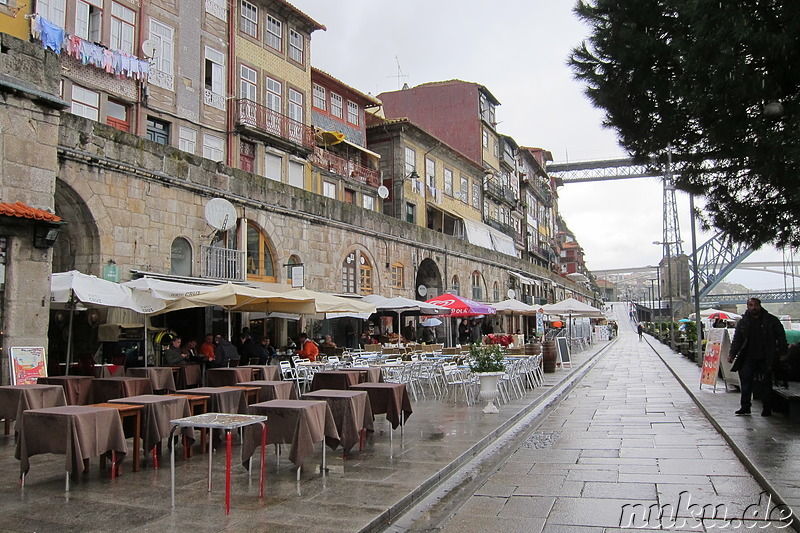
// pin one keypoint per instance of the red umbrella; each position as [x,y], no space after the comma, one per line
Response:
[720,315]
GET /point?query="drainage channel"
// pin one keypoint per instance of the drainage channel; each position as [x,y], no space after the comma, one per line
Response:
[436,503]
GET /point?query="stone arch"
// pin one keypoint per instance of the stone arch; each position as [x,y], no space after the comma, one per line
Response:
[78,246]
[429,275]
[261,259]
[362,258]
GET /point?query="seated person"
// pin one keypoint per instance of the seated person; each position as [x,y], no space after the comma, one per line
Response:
[172,356]
[225,354]
[308,348]
[268,352]
[328,342]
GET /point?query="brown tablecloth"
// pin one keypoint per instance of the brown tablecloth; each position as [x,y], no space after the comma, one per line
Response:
[389,398]
[335,379]
[300,423]
[14,399]
[351,413]
[191,375]
[78,431]
[227,377]
[273,390]
[77,389]
[120,387]
[223,399]
[161,377]
[374,373]
[265,372]
[158,411]
[107,371]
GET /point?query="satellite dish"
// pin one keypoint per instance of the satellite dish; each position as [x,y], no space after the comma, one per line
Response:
[220,214]
[422,290]
[383,192]
[150,48]
[511,293]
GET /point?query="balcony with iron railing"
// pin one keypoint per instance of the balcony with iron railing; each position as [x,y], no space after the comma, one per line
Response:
[222,263]
[345,167]
[500,192]
[265,120]
[505,228]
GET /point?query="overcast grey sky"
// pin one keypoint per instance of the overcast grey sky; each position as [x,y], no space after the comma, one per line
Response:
[518,49]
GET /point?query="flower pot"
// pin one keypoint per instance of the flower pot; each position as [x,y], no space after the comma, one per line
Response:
[489,389]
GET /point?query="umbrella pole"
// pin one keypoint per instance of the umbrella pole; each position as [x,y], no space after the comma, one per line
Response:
[69,334]
[146,340]
[230,326]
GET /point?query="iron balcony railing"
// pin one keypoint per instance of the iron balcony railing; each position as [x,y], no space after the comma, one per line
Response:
[249,113]
[345,167]
[501,193]
[222,263]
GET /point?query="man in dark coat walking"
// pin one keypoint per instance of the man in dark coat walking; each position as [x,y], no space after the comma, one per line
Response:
[758,343]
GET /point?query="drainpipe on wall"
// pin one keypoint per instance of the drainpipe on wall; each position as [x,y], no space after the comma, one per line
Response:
[231,81]
[138,130]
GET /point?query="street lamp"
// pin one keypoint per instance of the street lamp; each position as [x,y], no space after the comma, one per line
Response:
[666,246]
[652,300]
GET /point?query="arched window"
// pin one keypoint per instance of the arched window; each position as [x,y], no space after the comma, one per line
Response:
[455,286]
[290,270]
[496,291]
[365,271]
[356,262]
[477,286]
[349,274]
[181,257]
[397,275]
[259,257]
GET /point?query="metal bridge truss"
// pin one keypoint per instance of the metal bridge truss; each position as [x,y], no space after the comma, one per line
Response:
[715,258]
[778,296]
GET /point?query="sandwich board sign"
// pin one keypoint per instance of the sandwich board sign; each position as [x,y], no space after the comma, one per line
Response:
[28,364]
[717,349]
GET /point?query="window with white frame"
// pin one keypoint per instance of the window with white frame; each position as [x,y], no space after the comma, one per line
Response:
[329,189]
[85,103]
[296,176]
[89,20]
[430,172]
[249,19]
[53,10]
[320,99]
[215,71]
[123,21]
[295,105]
[248,83]
[368,202]
[274,92]
[448,182]
[485,139]
[464,190]
[496,150]
[274,33]
[352,113]
[476,194]
[336,105]
[411,161]
[213,147]
[273,167]
[296,45]
[187,139]
[164,38]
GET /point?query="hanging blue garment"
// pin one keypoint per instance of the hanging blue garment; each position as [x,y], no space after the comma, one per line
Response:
[52,35]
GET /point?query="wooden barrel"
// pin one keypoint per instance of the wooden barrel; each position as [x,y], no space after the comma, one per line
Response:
[533,348]
[549,356]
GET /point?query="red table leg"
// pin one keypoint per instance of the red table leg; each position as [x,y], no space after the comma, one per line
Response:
[228,450]
[263,458]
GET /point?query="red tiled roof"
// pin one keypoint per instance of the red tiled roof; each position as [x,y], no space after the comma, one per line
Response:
[21,210]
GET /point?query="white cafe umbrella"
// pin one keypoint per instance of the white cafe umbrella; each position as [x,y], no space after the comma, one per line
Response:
[431,322]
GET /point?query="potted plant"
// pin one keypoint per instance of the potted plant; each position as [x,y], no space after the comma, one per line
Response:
[486,361]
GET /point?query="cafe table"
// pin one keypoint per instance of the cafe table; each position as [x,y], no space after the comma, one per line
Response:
[351,412]
[221,377]
[389,398]
[120,387]
[273,390]
[158,410]
[229,400]
[162,378]
[77,389]
[226,422]
[301,423]
[107,371]
[15,399]
[80,432]
[335,379]
[265,372]
[374,374]
[190,375]
[134,412]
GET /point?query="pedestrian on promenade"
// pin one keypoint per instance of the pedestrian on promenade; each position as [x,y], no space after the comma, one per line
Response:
[758,343]
[640,331]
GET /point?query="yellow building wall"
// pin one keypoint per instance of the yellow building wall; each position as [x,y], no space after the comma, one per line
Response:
[12,18]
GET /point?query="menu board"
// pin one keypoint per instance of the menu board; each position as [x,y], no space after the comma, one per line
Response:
[28,364]
[717,347]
